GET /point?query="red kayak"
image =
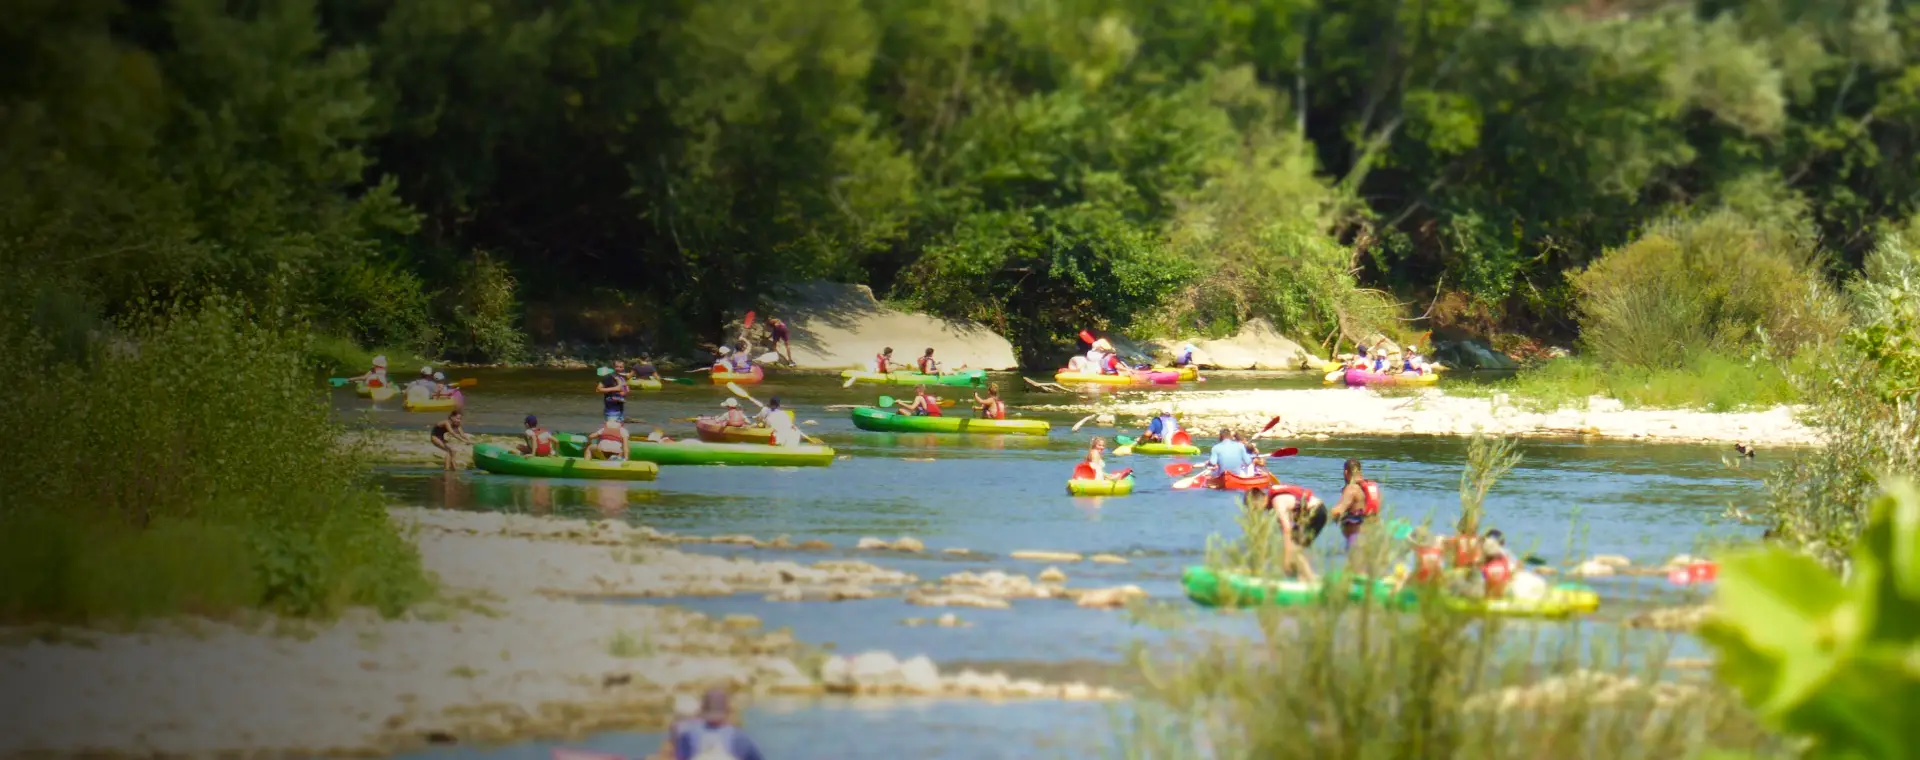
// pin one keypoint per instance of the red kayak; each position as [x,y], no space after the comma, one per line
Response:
[1231,482]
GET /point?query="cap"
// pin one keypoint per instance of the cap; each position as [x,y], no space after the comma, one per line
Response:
[686,706]
[532,420]
[713,706]
[438,376]
[730,403]
[426,370]
[724,350]
[380,361]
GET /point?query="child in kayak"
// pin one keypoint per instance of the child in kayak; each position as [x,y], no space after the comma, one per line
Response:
[539,441]
[375,377]
[1161,429]
[1502,572]
[609,442]
[1413,363]
[1094,467]
[991,407]
[925,365]
[923,404]
[449,427]
[1426,561]
[739,362]
[734,418]
[883,362]
[1359,501]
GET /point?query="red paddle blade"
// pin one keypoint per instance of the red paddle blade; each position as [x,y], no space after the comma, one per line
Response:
[1271,423]
[1123,473]
[1086,336]
[749,321]
[1286,452]
[1179,469]
[1083,471]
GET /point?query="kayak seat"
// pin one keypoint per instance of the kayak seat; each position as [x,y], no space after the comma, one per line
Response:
[1083,471]
[1180,438]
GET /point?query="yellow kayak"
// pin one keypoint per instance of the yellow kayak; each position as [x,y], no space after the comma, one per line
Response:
[1101,487]
[419,401]
[1561,601]
[1357,377]
[645,383]
[1337,366]
[377,393]
[1187,374]
[1065,377]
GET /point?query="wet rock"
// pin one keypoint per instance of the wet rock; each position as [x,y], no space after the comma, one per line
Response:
[1051,575]
[736,539]
[843,593]
[1109,598]
[979,684]
[740,622]
[780,542]
[1046,556]
[1109,559]
[956,551]
[1591,569]
[1614,561]
[815,545]
[870,543]
[919,676]
[788,594]
[908,544]
[1672,618]
[978,601]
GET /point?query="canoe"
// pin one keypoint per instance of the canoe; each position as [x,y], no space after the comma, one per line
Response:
[1101,487]
[1358,377]
[879,420]
[1132,378]
[501,460]
[712,431]
[688,453]
[1165,449]
[1231,482]
[744,378]
[1562,600]
[963,377]
[1209,588]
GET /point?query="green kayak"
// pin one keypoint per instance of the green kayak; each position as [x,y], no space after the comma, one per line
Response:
[1165,449]
[702,452]
[963,377]
[880,420]
[501,460]
[1236,590]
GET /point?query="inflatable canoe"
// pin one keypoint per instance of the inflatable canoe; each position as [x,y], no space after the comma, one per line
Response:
[1166,449]
[711,431]
[1359,377]
[1232,482]
[722,377]
[688,453]
[1209,588]
[1562,600]
[1101,487]
[883,421]
[501,460]
[1065,377]
[963,377]
[375,392]
[645,383]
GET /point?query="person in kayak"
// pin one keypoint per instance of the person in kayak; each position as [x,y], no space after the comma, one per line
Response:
[785,433]
[538,440]
[424,382]
[1229,457]
[1161,428]
[609,442]
[923,404]
[739,362]
[734,418]
[1412,363]
[1359,501]
[926,365]
[883,362]
[643,369]
[714,738]
[991,407]
[1095,464]
[1185,357]
[448,427]
[1379,359]
[1103,358]
[613,394]
[1425,561]
[375,377]
[778,340]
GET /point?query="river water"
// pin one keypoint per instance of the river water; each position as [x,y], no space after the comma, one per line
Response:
[997,495]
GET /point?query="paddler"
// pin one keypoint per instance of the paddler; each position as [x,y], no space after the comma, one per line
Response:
[1102,357]
[923,404]
[1359,500]
[734,418]
[1380,359]
[1161,428]
[1229,457]
[1426,560]
[538,440]
[643,369]
[609,442]
[424,382]
[991,407]
[1098,462]
[1498,567]
[375,377]
[1413,363]
[613,394]
[740,362]
[925,365]
[1185,357]
[448,427]
[781,422]
[883,362]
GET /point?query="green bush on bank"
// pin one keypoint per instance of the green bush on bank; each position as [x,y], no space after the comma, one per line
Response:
[1707,381]
[184,463]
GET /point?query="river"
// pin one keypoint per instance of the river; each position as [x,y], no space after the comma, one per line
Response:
[996,495]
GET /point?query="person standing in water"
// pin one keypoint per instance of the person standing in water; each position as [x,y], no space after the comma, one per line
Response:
[1359,501]
[613,393]
[991,407]
[779,340]
[1286,512]
[448,427]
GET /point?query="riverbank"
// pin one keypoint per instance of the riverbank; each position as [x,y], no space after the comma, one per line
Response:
[1353,411]
[528,639]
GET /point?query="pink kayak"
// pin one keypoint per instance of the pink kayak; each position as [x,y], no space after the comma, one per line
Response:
[1158,378]
[1356,377]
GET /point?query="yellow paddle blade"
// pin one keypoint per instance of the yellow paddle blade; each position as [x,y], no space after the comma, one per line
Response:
[737,390]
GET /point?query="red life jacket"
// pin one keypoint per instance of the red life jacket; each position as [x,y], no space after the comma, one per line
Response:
[926,365]
[996,409]
[880,363]
[1300,494]
[1371,491]
[1498,572]
[932,406]
[1429,562]
[542,442]
[1113,365]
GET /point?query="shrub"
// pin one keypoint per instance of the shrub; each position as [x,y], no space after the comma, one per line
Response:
[485,312]
[1717,284]
[189,464]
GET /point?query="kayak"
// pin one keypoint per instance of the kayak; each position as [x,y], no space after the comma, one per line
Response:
[501,460]
[1209,588]
[1357,377]
[375,392]
[963,377]
[685,453]
[1132,378]
[1232,482]
[645,383]
[880,420]
[712,431]
[431,404]
[744,378]
[1562,600]
[1339,367]
[1101,487]
[1187,374]
[1165,449]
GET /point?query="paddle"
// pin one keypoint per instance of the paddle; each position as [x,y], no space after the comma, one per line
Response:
[338,381]
[747,323]
[1178,469]
[464,383]
[1181,485]
[742,392]
[1083,421]
[1270,424]
[679,380]
[1286,452]
[850,381]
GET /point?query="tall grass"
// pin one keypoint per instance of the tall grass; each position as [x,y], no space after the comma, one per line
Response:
[1706,381]
[1350,679]
[184,462]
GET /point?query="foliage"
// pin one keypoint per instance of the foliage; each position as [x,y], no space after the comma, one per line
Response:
[1488,459]
[485,313]
[1716,284]
[192,466]
[1835,662]
[1706,381]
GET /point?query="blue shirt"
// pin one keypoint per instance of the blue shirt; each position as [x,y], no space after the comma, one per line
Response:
[1164,427]
[687,743]
[1231,456]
